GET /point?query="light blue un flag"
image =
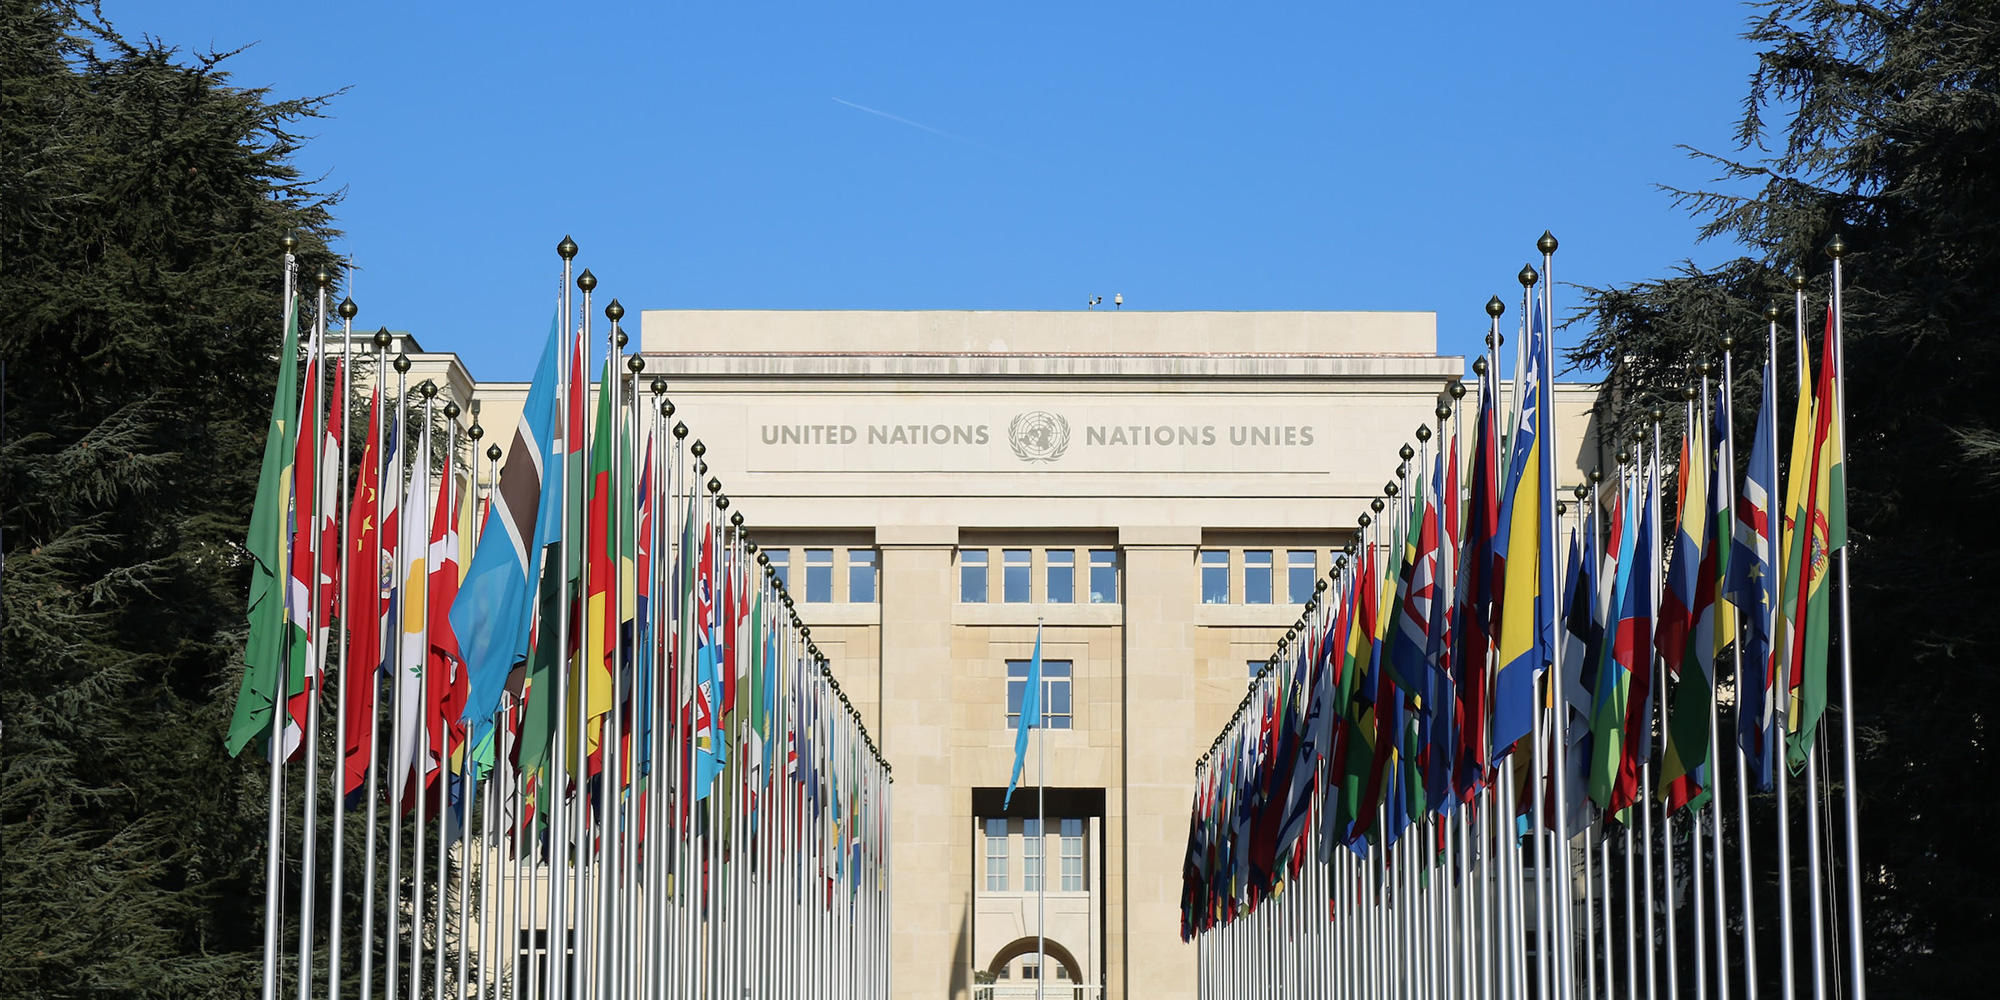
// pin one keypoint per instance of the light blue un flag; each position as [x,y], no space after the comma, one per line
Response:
[1031,717]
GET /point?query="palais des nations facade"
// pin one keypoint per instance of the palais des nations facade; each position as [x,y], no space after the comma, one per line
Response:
[1159,490]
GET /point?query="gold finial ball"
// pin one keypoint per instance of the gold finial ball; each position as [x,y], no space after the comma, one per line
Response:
[1624,456]
[475,432]
[714,485]
[1478,367]
[667,408]
[1365,520]
[493,452]
[1837,247]
[1340,562]
[1458,387]
[1728,341]
[1562,508]
[290,243]
[1687,391]
[635,364]
[1442,411]
[697,449]
[1580,491]
[1391,489]
[1495,308]
[347,309]
[700,468]
[722,502]
[586,281]
[1771,312]
[1320,587]
[382,339]
[623,339]
[614,312]
[659,385]
[1597,475]
[1528,276]
[749,545]
[402,362]
[1798,280]
[428,390]
[1547,244]
[1704,368]
[451,410]
[322,279]
[680,430]
[764,560]
[1406,452]
[1659,414]
[1424,432]
[566,249]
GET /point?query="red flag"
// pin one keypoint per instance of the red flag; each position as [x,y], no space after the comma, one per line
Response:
[445,683]
[361,606]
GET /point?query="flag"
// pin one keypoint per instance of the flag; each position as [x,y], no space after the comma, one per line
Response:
[1684,765]
[1031,717]
[1527,593]
[1825,531]
[1754,587]
[413,602]
[1613,690]
[1474,636]
[600,622]
[1798,515]
[445,676]
[1409,651]
[494,611]
[361,607]
[264,651]
[1442,720]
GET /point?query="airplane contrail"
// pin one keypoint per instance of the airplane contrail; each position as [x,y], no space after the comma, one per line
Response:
[906,121]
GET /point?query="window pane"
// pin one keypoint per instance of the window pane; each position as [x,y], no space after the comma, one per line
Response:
[861,576]
[996,855]
[1302,571]
[1014,576]
[1072,855]
[1215,576]
[972,576]
[1031,855]
[1257,577]
[1103,576]
[781,563]
[819,576]
[1072,828]
[1062,576]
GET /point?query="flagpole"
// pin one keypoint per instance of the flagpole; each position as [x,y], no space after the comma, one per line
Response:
[1857,967]
[1696,876]
[274,817]
[557,944]
[420,752]
[582,874]
[348,311]
[374,677]
[1668,919]
[1722,532]
[1786,950]
[394,916]
[305,515]
[1743,777]
[449,493]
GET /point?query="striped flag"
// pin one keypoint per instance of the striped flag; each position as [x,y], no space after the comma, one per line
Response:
[1753,586]
[264,652]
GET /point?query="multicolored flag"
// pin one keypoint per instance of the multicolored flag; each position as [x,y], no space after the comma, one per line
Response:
[264,680]
[1754,586]
[1527,612]
[362,606]
[413,650]
[1825,531]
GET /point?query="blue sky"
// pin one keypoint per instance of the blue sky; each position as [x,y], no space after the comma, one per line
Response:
[1004,156]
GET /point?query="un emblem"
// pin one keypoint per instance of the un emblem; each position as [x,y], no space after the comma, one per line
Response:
[1038,436]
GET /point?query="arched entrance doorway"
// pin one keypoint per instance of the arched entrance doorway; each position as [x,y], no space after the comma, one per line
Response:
[1026,946]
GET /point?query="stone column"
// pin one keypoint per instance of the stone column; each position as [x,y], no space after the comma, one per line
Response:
[1161,594]
[931,918]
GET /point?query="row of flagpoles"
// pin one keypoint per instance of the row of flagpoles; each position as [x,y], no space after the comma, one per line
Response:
[1490,760]
[580,744]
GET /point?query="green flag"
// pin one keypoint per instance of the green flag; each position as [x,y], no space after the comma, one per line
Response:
[263,653]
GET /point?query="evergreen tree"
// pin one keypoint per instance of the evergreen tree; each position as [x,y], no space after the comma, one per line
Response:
[142,203]
[1890,137]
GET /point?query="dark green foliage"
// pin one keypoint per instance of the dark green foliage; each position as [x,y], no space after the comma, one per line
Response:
[144,202]
[1890,136]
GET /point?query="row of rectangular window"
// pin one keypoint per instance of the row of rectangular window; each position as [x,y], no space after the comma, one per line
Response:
[1017,574]
[819,574]
[999,851]
[1259,576]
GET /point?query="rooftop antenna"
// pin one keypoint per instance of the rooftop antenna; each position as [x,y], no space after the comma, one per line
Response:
[1093,302]
[1118,301]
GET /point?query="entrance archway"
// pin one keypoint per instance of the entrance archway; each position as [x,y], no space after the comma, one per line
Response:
[1026,946]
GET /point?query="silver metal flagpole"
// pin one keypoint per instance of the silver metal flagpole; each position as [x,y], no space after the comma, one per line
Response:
[1857,966]
[1743,778]
[347,310]
[1562,917]
[1782,694]
[556,947]
[1723,532]
[439,954]
[373,672]
[421,751]
[307,513]
[394,916]
[1814,863]
[1697,880]
[274,830]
